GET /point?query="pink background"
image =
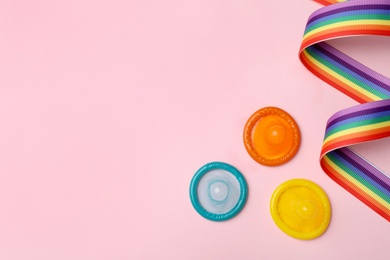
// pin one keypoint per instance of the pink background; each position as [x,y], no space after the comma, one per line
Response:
[108,107]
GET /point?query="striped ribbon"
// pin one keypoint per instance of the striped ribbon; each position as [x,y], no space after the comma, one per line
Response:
[370,120]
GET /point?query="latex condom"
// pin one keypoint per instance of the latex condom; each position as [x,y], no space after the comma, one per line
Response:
[271,136]
[218,191]
[301,209]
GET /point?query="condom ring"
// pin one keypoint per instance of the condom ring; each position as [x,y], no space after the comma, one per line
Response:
[301,209]
[218,191]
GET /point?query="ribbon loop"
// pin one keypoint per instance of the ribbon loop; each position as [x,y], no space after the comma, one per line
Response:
[365,122]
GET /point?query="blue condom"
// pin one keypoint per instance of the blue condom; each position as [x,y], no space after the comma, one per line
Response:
[218,191]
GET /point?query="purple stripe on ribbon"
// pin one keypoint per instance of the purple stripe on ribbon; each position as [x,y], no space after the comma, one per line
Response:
[360,110]
[364,166]
[348,6]
[353,65]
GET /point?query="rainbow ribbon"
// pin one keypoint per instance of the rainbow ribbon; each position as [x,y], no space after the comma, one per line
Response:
[367,121]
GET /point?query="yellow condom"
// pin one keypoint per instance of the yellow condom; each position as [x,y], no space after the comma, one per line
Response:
[301,209]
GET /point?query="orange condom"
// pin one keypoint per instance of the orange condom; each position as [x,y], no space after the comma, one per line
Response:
[271,136]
